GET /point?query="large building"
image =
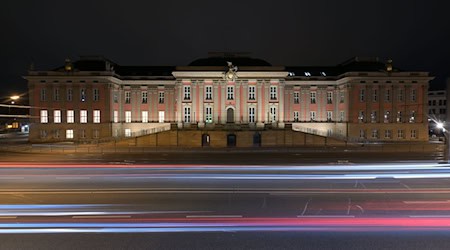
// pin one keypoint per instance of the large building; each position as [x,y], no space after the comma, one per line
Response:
[95,99]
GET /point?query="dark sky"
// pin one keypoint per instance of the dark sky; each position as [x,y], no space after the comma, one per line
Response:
[414,33]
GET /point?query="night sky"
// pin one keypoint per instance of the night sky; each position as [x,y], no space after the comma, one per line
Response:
[415,34]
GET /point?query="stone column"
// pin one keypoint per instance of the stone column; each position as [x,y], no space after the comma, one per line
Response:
[281,105]
[178,86]
[259,117]
[237,113]
[223,96]
[244,101]
[201,110]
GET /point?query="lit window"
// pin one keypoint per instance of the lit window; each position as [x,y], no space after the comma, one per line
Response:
[161,116]
[273,114]
[44,116]
[127,132]
[96,116]
[412,117]
[83,116]
[116,116]
[144,116]
[307,74]
[387,116]
[374,117]
[69,133]
[70,116]
[57,116]
[127,116]
[361,115]
[399,116]
[413,134]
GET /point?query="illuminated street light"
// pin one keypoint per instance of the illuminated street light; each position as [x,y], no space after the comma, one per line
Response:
[439,125]
[14,98]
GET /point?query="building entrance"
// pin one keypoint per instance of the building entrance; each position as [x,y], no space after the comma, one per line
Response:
[205,140]
[231,140]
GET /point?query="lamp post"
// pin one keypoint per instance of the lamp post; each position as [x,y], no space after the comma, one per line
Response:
[440,126]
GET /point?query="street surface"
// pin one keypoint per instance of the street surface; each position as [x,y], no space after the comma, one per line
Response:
[203,206]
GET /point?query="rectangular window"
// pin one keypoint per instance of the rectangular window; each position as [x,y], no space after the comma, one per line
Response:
[342,97]
[82,133]
[251,114]
[329,116]
[273,114]
[413,95]
[399,116]
[116,116]
[96,116]
[115,97]
[400,95]
[43,95]
[57,116]
[329,97]
[312,115]
[412,117]
[127,132]
[313,97]
[413,134]
[83,116]
[144,97]
[161,116]
[187,92]
[387,134]
[82,95]
[362,134]
[362,93]
[43,133]
[296,117]
[95,133]
[127,116]
[373,117]
[144,116]
[400,134]
[208,93]
[342,116]
[374,134]
[208,114]
[127,97]
[69,133]
[387,95]
[44,116]
[361,116]
[296,97]
[96,95]
[230,93]
[70,116]
[251,93]
[273,93]
[56,94]
[161,97]
[375,95]
[387,116]
[69,95]
[187,114]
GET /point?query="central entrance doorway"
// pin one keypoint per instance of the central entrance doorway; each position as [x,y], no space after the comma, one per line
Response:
[230,115]
[231,140]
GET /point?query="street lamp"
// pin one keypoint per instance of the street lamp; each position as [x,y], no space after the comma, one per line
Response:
[14,98]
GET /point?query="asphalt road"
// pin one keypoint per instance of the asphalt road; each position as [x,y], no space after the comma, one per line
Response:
[71,206]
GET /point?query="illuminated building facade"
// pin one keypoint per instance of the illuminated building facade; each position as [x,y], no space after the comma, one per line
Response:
[94,99]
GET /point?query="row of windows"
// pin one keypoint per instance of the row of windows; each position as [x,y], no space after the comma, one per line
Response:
[144,116]
[387,95]
[434,103]
[69,134]
[144,97]
[387,118]
[313,116]
[441,112]
[387,134]
[70,116]
[230,93]
[69,95]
